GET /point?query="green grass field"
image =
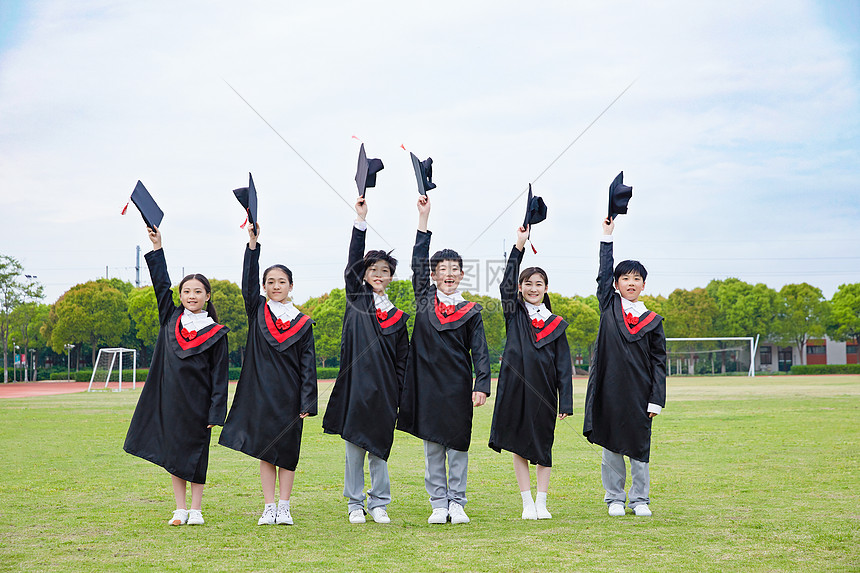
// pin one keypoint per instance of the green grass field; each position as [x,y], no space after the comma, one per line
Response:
[747,475]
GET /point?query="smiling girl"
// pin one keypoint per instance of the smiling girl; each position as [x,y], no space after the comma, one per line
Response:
[535,379]
[185,394]
[278,385]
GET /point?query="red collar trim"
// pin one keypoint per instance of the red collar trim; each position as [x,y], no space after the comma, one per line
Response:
[547,330]
[643,322]
[391,320]
[282,336]
[198,340]
[451,317]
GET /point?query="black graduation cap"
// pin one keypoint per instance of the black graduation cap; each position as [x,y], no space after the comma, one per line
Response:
[149,210]
[619,195]
[365,175]
[535,209]
[247,196]
[423,173]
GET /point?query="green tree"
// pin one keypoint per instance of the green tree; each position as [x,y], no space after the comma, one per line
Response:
[803,314]
[328,319]
[689,314]
[93,312]
[844,321]
[494,323]
[230,306]
[25,323]
[15,289]
[583,321]
[143,310]
[402,296]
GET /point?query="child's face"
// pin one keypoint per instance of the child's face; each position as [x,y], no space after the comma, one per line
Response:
[533,289]
[630,286]
[447,276]
[277,285]
[193,295]
[378,276]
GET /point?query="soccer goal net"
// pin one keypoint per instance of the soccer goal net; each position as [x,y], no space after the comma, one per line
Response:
[704,356]
[109,367]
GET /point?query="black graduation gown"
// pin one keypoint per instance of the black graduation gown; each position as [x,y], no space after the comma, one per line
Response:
[362,408]
[535,379]
[436,404]
[628,371]
[278,380]
[185,390]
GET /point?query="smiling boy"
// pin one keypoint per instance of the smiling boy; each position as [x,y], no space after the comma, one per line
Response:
[438,393]
[626,380]
[374,347]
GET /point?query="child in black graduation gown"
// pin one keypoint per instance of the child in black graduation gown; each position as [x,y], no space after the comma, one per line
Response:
[626,380]
[535,378]
[278,385]
[362,408]
[438,393]
[185,394]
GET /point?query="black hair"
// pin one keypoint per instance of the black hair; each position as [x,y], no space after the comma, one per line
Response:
[526,274]
[287,271]
[210,308]
[627,267]
[445,255]
[372,257]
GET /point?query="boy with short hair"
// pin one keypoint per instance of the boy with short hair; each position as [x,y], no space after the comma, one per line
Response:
[626,380]
[373,352]
[438,393]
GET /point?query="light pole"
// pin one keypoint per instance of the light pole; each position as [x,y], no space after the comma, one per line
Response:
[68,348]
[15,364]
[33,355]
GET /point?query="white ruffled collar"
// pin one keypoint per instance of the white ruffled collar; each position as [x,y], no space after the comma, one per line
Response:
[635,308]
[538,310]
[381,302]
[195,321]
[283,310]
[454,298]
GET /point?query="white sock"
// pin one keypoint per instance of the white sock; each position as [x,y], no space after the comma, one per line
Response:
[285,503]
[540,499]
[527,498]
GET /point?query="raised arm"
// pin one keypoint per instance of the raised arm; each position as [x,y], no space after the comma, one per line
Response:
[605,289]
[160,278]
[251,273]
[354,274]
[421,251]
[508,288]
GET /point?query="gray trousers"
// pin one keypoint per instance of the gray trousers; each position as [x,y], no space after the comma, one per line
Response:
[379,494]
[444,490]
[613,472]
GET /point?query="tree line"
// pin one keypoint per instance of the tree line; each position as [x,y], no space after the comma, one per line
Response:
[111,312]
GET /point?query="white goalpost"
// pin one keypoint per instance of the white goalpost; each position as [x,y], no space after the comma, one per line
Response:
[753,345]
[109,359]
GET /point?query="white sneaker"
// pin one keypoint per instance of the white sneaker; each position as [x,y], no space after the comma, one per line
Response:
[379,515]
[284,517]
[616,509]
[180,517]
[529,512]
[357,516]
[195,517]
[457,514]
[543,512]
[439,515]
[642,510]
[268,517]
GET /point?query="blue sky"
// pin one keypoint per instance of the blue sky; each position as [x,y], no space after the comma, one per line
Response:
[740,135]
